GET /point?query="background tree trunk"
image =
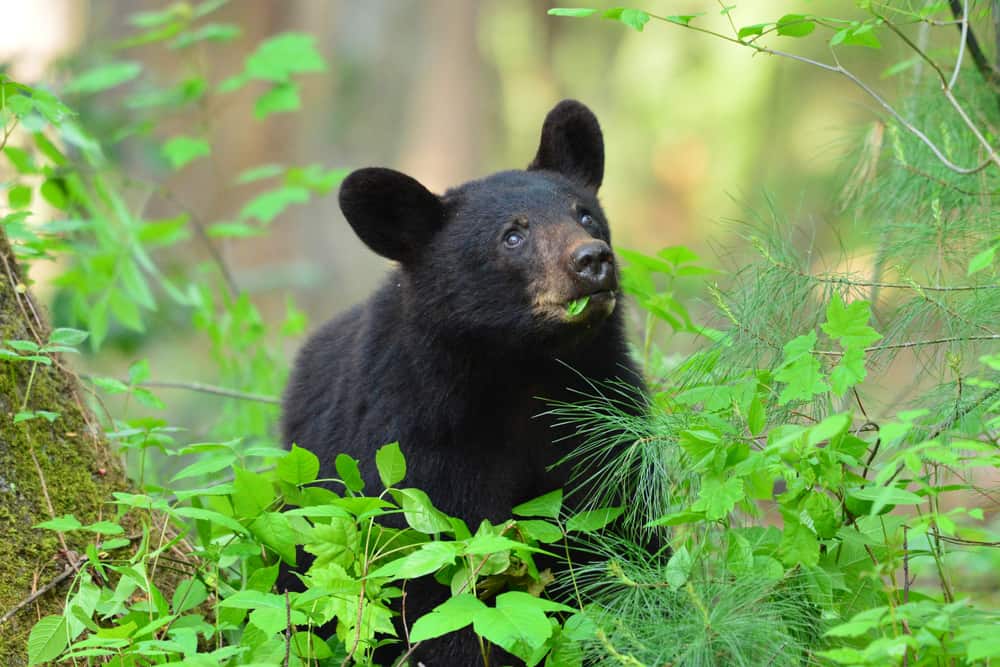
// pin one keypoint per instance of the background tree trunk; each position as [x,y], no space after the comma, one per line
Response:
[46,470]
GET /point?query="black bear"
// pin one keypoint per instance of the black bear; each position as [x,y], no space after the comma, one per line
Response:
[479,320]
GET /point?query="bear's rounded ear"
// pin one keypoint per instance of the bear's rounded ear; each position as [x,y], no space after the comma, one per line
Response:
[391,212]
[572,144]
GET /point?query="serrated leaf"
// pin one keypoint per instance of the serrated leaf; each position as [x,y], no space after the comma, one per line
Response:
[848,372]
[849,324]
[47,640]
[717,498]
[299,466]
[800,371]
[349,472]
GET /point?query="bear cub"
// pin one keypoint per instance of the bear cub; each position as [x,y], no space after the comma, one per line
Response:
[456,354]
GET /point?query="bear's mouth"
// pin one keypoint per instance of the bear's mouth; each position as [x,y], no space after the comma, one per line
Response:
[597,304]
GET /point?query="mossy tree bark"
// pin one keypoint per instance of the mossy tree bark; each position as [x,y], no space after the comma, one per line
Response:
[47,469]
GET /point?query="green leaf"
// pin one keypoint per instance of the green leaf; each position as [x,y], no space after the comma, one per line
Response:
[189,594]
[19,196]
[254,493]
[267,206]
[47,640]
[283,55]
[391,464]
[717,498]
[800,371]
[633,18]
[750,30]
[430,557]
[53,191]
[571,11]
[62,524]
[451,615]
[104,77]
[22,160]
[795,25]
[67,336]
[577,306]
[258,173]
[210,32]
[824,514]
[420,513]
[679,568]
[202,514]
[548,506]
[299,466]
[592,521]
[349,472]
[848,372]
[275,530]
[880,496]
[282,97]
[517,623]
[849,324]
[982,260]
[539,530]
[799,545]
[225,230]
[181,150]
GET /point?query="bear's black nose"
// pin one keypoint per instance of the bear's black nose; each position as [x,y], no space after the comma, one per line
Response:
[594,263]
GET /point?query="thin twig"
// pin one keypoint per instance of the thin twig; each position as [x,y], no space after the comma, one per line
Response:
[964,28]
[58,579]
[203,388]
[910,343]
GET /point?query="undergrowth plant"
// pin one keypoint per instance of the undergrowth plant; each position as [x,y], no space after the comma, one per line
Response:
[814,485]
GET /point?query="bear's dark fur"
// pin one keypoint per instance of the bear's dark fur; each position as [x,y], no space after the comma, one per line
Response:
[450,356]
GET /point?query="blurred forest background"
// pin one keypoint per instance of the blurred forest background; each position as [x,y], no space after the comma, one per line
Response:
[699,133]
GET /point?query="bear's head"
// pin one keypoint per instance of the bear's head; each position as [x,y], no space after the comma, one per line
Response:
[517,257]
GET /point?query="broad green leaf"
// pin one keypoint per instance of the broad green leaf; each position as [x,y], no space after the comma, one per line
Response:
[449,616]
[543,531]
[800,371]
[517,623]
[104,77]
[282,97]
[53,191]
[420,513]
[633,18]
[751,30]
[430,557]
[795,25]
[849,324]
[299,466]
[880,496]
[67,336]
[19,196]
[181,150]
[254,493]
[349,472]
[717,498]
[849,371]
[266,206]
[548,506]
[189,594]
[824,514]
[679,568]
[799,545]
[206,465]
[47,640]
[279,57]
[591,521]
[391,464]
[62,524]
[275,530]
[250,599]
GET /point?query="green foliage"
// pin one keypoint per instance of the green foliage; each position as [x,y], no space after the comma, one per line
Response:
[809,486]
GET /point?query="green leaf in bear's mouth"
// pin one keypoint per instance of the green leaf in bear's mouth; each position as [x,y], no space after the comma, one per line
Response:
[576,306]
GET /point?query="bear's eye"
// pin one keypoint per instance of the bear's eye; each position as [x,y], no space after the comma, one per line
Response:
[587,220]
[513,238]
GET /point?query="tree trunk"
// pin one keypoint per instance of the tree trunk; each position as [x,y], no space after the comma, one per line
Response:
[46,470]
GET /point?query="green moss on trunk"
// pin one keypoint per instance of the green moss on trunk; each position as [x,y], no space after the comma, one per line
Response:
[78,471]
